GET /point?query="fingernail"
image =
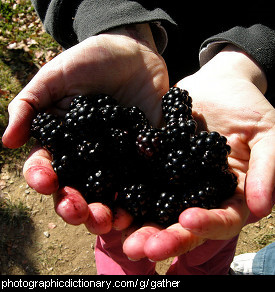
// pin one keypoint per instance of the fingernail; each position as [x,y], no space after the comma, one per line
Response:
[132,260]
[151,261]
[186,228]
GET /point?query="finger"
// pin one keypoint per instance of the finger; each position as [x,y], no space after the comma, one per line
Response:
[260,180]
[216,224]
[71,206]
[39,173]
[121,219]
[100,219]
[170,242]
[133,245]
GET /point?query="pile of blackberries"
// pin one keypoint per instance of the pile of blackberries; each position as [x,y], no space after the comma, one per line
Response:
[111,154]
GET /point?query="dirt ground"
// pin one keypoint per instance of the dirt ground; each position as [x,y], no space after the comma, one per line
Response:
[45,245]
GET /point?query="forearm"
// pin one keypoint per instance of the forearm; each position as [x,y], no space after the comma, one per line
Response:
[141,33]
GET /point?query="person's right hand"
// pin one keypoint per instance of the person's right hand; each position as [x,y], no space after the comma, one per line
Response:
[123,63]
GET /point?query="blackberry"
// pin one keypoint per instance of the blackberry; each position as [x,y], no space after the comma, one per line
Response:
[150,142]
[120,144]
[78,101]
[177,104]
[204,195]
[178,167]
[99,186]
[211,190]
[178,133]
[46,128]
[136,200]
[210,150]
[89,116]
[136,120]
[90,152]
[101,100]
[80,120]
[167,208]
[209,193]
[66,168]
[111,116]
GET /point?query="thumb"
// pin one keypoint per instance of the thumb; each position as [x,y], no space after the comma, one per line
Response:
[40,93]
[20,117]
[260,180]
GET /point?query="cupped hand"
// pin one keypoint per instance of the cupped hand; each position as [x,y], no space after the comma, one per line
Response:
[227,97]
[123,63]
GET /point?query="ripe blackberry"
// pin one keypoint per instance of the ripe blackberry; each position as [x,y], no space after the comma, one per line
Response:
[211,190]
[46,128]
[111,116]
[66,168]
[97,101]
[136,120]
[177,104]
[178,133]
[150,142]
[89,116]
[78,101]
[80,120]
[99,186]
[136,200]
[178,167]
[102,100]
[167,208]
[120,143]
[210,150]
[90,152]
[204,195]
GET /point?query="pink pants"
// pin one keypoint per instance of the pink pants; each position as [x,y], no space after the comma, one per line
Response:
[212,258]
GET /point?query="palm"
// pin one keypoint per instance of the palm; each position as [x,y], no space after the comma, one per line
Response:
[247,120]
[135,75]
[244,116]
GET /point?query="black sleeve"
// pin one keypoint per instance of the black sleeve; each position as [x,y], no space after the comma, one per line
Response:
[258,41]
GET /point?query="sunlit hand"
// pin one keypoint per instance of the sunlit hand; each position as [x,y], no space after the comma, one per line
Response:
[123,63]
[227,97]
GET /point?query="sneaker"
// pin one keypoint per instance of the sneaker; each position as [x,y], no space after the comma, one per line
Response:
[242,264]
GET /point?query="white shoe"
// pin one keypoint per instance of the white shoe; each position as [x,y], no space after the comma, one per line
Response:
[242,264]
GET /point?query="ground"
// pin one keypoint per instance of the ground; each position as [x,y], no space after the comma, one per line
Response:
[42,243]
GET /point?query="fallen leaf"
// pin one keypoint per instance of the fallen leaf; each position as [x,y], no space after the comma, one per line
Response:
[51,225]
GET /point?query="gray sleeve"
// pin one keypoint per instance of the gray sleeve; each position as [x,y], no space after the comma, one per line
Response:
[70,22]
[258,41]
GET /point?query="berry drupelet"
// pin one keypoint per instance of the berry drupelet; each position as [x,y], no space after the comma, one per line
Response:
[112,155]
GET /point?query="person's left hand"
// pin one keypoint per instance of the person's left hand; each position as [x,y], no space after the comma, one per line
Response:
[227,97]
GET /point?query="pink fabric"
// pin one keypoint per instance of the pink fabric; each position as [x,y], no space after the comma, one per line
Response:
[211,258]
[110,259]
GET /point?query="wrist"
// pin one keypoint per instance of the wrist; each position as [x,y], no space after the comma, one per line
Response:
[232,62]
[141,33]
